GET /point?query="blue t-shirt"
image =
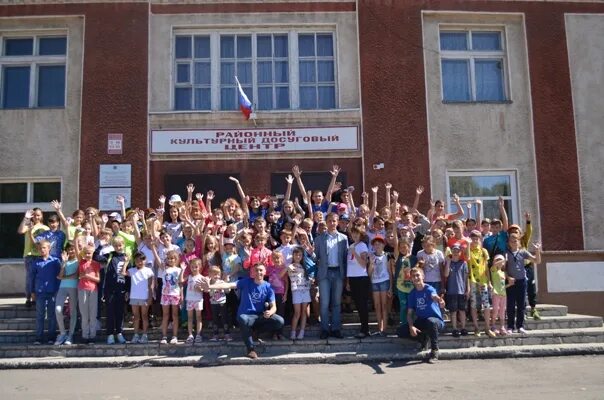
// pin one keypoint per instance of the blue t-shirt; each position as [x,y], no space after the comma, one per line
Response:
[496,244]
[56,240]
[421,301]
[323,207]
[71,267]
[253,296]
[255,214]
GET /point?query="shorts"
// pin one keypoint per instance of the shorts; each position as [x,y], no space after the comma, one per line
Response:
[456,302]
[169,300]
[381,286]
[196,305]
[478,292]
[300,296]
[138,302]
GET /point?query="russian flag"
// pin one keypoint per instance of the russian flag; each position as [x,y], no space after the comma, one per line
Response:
[245,105]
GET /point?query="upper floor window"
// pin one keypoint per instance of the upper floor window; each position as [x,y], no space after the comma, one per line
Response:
[472,65]
[277,71]
[33,71]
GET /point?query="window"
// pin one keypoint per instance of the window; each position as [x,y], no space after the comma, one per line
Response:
[264,64]
[33,71]
[472,65]
[15,199]
[486,186]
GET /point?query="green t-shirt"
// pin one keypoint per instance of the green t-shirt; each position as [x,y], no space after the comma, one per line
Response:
[129,243]
[498,281]
[29,248]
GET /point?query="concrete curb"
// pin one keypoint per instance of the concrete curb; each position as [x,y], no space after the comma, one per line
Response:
[302,358]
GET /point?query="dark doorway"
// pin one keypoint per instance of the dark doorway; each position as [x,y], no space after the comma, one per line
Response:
[221,185]
[311,180]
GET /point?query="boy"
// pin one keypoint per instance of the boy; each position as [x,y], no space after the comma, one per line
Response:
[457,278]
[32,222]
[44,272]
[54,236]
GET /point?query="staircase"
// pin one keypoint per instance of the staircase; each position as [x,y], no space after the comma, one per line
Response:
[557,333]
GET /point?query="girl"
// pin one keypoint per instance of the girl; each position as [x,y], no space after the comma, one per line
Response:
[88,274]
[380,272]
[498,279]
[480,282]
[194,301]
[141,295]
[218,299]
[277,278]
[434,262]
[173,226]
[402,277]
[357,278]
[114,288]
[68,288]
[300,287]
[171,296]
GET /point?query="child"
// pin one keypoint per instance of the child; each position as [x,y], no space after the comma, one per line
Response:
[434,262]
[498,279]
[89,278]
[402,277]
[458,289]
[171,296]
[194,301]
[357,278]
[259,254]
[480,282]
[381,281]
[68,289]
[141,294]
[516,293]
[231,266]
[44,273]
[300,287]
[218,299]
[278,281]
[54,236]
[114,288]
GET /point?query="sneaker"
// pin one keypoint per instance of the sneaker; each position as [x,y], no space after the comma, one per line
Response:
[503,332]
[110,339]
[144,339]
[98,326]
[214,338]
[199,339]
[38,342]
[361,335]
[135,339]
[477,333]
[227,337]
[174,340]
[252,354]
[535,314]
[292,335]
[68,341]
[190,339]
[163,340]
[512,330]
[324,335]
[121,339]
[301,335]
[337,335]
[522,331]
[60,339]
[464,332]
[490,333]
[91,340]
[433,358]
[28,303]
[456,333]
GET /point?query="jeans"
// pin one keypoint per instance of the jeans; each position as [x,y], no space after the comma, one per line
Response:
[516,295]
[531,286]
[115,313]
[249,322]
[45,309]
[62,294]
[402,301]
[359,288]
[29,283]
[330,298]
[88,301]
[221,318]
[429,328]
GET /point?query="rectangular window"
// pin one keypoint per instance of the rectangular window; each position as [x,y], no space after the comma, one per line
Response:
[472,65]
[486,186]
[262,62]
[33,72]
[192,81]
[15,199]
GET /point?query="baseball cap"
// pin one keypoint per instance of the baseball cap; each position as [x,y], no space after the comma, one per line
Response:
[378,238]
[174,199]
[455,247]
[115,216]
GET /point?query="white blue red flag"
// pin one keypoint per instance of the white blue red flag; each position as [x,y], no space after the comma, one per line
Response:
[245,105]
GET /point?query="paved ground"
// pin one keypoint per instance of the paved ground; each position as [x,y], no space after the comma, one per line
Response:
[530,378]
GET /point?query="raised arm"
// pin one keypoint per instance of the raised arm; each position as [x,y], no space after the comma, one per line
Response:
[335,171]
[57,206]
[298,175]
[418,192]
[528,230]
[388,187]
[373,211]
[503,213]
[244,207]
[288,192]
[122,202]
[393,205]
[24,226]
[460,213]
[478,211]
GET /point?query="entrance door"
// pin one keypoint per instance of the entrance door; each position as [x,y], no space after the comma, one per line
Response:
[312,181]
[221,185]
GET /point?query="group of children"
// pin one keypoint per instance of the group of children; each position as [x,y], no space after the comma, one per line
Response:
[158,260]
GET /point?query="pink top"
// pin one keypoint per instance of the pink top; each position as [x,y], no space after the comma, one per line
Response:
[88,267]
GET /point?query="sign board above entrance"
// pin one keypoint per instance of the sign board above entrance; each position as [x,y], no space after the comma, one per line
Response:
[260,140]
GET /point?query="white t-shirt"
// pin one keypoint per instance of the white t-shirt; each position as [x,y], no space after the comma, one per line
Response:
[380,269]
[171,285]
[139,289]
[297,278]
[149,257]
[287,251]
[354,269]
[194,294]
[161,251]
[432,264]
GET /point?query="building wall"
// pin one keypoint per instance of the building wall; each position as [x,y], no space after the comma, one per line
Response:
[38,142]
[482,136]
[584,34]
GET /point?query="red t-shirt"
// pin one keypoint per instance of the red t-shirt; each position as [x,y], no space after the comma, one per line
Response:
[88,267]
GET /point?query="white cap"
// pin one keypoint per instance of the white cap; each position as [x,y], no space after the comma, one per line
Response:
[174,199]
[116,216]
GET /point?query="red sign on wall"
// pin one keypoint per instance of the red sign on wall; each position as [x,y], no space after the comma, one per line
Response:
[115,143]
